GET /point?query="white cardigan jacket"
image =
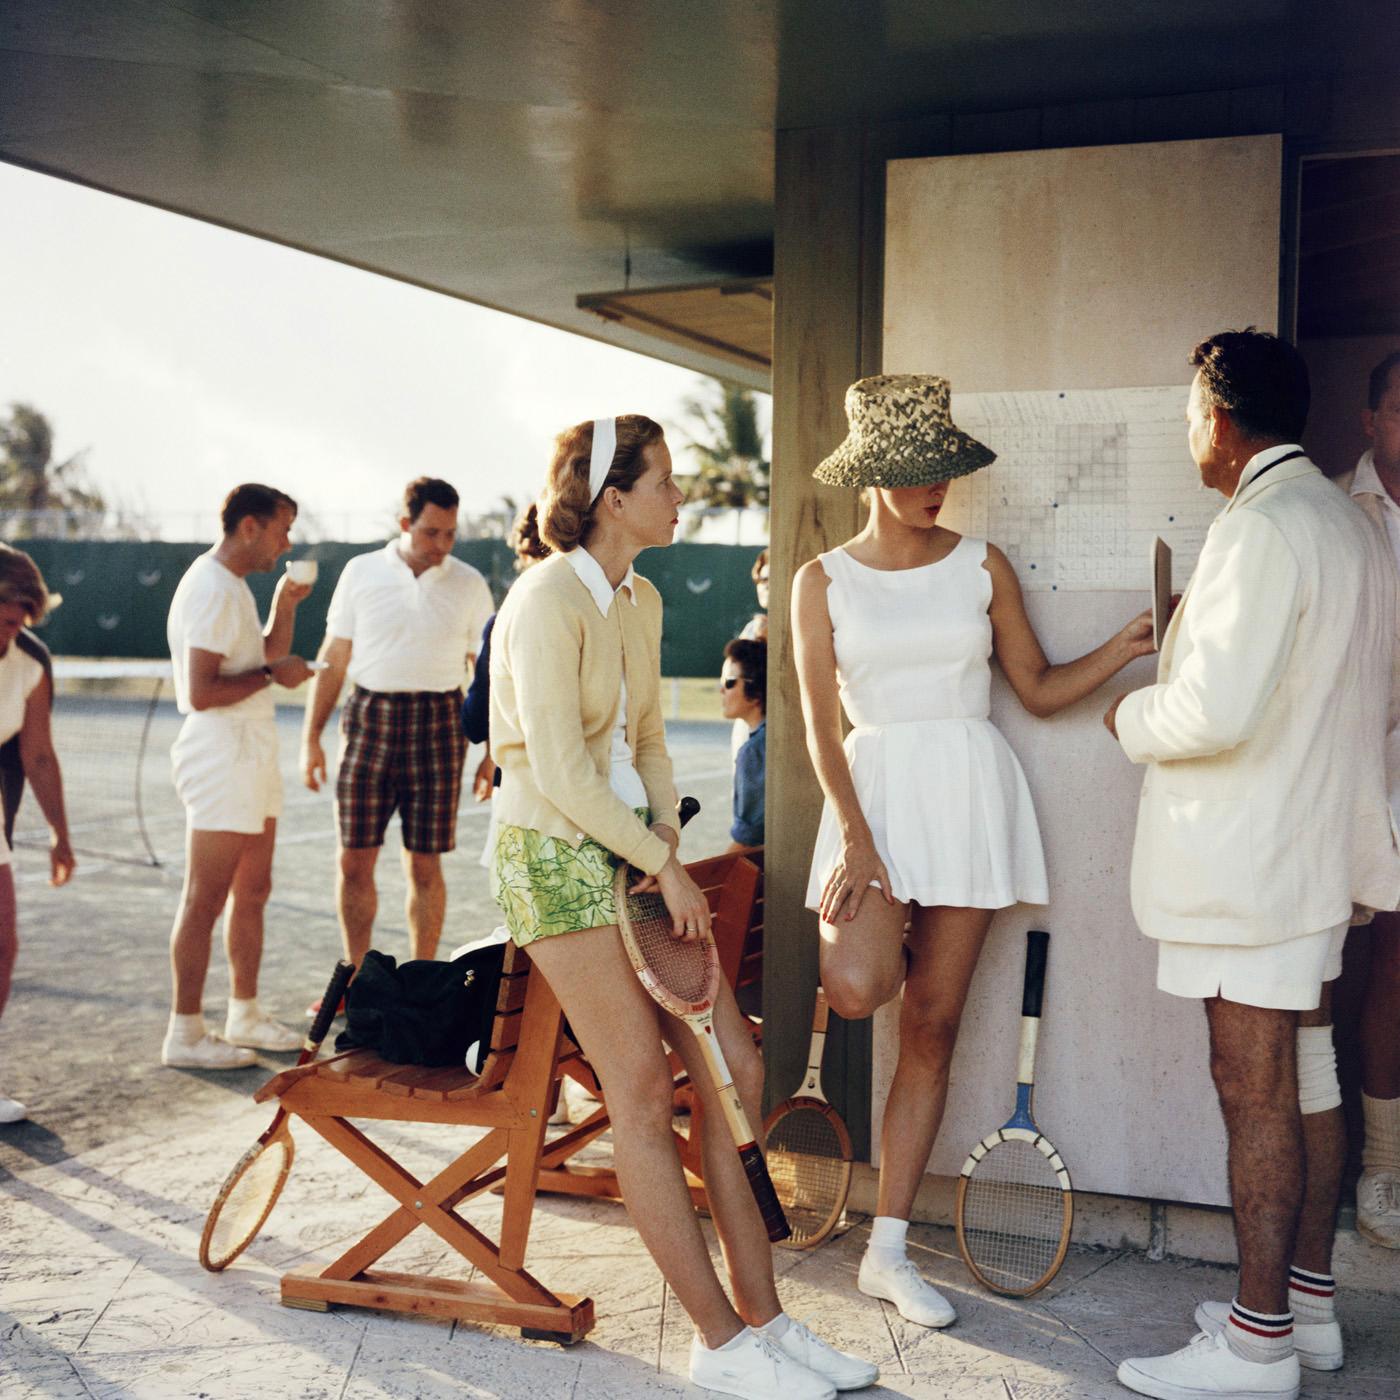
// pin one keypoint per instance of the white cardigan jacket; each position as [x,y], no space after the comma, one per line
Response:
[1263,813]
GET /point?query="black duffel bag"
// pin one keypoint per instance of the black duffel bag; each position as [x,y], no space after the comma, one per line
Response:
[424,1012]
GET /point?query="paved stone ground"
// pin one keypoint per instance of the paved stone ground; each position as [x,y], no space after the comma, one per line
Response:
[103,1194]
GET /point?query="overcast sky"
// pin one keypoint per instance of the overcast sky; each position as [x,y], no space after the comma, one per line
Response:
[186,358]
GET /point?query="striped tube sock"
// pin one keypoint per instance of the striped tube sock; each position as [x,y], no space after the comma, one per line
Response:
[1312,1296]
[1259,1337]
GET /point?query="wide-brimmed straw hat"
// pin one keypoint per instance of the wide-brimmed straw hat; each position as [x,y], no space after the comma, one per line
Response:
[901,434]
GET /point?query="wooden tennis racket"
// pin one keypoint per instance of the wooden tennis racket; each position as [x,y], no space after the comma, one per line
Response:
[1015,1204]
[684,978]
[251,1189]
[809,1150]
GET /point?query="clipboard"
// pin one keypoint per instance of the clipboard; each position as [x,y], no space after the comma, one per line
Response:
[1161,590]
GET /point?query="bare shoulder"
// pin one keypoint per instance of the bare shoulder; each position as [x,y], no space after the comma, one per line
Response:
[811,576]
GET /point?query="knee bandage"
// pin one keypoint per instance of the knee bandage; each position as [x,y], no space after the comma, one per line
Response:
[1318,1089]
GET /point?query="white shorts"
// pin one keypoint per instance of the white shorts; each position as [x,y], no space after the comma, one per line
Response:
[1280,976]
[227,773]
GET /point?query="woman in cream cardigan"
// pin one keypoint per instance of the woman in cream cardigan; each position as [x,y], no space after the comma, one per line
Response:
[586,782]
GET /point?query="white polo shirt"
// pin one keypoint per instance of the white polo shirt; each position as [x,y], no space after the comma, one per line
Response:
[213,609]
[1367,483]
[408,632]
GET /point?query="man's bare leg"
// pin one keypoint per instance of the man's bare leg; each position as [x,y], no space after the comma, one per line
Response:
[426,902]
[243,917]
[1378,1191]
[1254,1062]
[211,857]
[357,900]
[1324,1158]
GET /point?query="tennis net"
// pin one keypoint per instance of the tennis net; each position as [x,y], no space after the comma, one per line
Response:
[105,720]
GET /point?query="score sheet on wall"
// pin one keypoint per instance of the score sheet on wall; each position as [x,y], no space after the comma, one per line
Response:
[1084,480]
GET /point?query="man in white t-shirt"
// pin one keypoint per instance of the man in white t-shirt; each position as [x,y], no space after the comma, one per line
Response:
[403,625]
[224,763]
[1375,486]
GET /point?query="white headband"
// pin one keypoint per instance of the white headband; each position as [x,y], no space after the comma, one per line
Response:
[600,462]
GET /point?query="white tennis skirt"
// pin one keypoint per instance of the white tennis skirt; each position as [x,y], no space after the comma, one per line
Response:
[950,813]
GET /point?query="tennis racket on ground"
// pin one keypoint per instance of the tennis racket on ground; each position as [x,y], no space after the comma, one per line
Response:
[1015,1204]
[251,1189]
[809,1150]
[683,978]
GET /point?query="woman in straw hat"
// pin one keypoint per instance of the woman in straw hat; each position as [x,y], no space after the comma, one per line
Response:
[26,697]
[586,783]
[928,826]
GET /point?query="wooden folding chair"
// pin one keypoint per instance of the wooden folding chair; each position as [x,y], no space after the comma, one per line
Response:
[510,1098]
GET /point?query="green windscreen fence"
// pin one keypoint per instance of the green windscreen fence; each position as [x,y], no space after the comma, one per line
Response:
[116,594]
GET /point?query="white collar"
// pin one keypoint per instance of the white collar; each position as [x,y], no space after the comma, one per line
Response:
[1262,460]
[591,574]
[1367,481]
[396,559]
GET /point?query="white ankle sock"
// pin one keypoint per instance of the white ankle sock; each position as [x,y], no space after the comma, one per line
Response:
[887,1240]
[778,1326]
[1259,1337]
[187,1029]
[1382,1147]
[735,1341]
[1312,1297]
[243,1009]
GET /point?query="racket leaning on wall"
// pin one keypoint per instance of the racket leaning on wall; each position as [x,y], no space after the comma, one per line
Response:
[1015,1205]
[251,1189]
[809,1150]
[684,979]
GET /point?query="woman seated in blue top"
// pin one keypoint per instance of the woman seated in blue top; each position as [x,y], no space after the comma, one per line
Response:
[744,695]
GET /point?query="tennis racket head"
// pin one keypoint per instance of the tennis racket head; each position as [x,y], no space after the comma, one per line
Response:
[1015,1211]
[809,1160]
[683,977]
[246,1199]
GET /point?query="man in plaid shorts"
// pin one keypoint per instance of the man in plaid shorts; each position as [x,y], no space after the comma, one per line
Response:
[403,625]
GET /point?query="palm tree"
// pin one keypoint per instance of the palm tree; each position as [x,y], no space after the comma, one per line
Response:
[45,496]
[729,447]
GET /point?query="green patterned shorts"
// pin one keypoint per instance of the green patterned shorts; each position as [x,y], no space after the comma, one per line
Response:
[545,886]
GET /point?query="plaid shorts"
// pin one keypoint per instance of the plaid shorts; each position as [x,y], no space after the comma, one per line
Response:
[400,750]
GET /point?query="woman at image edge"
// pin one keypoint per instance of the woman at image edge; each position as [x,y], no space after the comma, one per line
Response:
[928,827]
[586,782]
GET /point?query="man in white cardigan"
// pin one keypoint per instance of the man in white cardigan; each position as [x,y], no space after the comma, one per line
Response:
[1263,818]
[1374,485]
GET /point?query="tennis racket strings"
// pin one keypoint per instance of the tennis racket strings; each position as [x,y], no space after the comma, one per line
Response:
[247,1200]
[684,970]
[1013,1214]
[808,1164]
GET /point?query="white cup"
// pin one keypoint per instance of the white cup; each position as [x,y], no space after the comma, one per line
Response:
[302,570]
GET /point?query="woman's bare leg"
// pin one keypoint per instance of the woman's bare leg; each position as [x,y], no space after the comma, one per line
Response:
[748,1256]
[863,959]
[944,945]
[619,1028]
[9,935]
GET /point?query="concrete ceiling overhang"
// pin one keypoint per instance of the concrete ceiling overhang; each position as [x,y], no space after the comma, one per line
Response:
[521,153]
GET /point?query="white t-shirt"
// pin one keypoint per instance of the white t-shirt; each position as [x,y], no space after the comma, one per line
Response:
[19,674]
[213,609]
[408,632]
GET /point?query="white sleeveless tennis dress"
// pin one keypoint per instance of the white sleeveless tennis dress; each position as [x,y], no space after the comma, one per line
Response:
[945,798]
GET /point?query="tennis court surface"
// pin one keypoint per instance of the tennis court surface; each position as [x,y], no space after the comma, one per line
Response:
[103,1193]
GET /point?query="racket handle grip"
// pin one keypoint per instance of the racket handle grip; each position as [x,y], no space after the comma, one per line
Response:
[1037,952]
[330,1004]
[769,1207]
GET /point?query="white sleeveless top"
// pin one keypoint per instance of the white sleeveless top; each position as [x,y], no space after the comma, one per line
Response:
[945,798]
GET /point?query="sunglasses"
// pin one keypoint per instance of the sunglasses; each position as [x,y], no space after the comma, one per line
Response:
[729,682]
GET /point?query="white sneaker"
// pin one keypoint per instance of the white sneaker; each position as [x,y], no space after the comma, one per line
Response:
[844,1371]
[12,1111]
[260,1032]
[1206,1369]
[754,1367]
[903,1285]
[1378,1207]
[208,1052]
[1318,1344]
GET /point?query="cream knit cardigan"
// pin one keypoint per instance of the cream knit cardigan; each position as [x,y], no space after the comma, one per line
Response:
[556,669]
